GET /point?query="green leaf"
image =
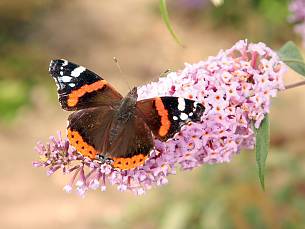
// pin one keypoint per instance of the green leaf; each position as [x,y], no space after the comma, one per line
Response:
[290,55]
[262,148]
[164,14]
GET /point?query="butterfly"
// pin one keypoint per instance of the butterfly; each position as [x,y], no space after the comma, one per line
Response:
[110,128]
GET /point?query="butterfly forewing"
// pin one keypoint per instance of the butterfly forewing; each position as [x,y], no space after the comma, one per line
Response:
[80,88]
[166,115]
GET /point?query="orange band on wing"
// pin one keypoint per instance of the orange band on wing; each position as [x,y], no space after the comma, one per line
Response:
[165,123]
[80,145]
[75,95]
[87,150]
[129,163]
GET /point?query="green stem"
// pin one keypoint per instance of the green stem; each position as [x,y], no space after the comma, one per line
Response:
[164,14]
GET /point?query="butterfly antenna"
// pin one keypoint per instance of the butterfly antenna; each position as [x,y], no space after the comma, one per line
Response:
[121,72]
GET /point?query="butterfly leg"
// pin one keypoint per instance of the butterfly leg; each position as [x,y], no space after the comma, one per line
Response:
[104,160]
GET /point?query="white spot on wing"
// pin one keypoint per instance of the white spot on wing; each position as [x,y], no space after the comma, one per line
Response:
[195,105]
[181,104]
[191,114]
[65,79]
[61,73]
[72,84]
[183,116]
[65,62]
[51,62]
[175,117]
[77,71]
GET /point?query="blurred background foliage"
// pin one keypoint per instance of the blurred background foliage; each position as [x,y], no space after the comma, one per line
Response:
[257,20]
[90,33]
[21,60]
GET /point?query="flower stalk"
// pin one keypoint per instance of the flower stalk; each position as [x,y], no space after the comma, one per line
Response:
[294,85]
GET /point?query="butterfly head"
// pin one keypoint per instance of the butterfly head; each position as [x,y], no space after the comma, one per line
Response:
[133,94]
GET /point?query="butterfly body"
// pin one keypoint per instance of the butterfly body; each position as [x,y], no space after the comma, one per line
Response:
[111,128]
[127,108]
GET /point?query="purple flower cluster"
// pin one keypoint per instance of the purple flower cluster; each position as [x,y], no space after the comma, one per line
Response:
[235,87]
[297,8]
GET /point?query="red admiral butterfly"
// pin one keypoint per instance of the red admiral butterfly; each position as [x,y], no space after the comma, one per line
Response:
[107,127]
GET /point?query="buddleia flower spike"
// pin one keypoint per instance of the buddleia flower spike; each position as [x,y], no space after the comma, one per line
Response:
[235,87]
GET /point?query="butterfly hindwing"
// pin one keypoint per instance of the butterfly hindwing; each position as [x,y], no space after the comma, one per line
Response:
[166,115]
[80,88]
[132,144]
[88,130]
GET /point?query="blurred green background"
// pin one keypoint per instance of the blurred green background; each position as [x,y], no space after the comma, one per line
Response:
[91,33]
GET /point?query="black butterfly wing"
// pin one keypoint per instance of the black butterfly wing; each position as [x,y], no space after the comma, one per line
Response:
[166,115]
[80,88]
[88,130]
